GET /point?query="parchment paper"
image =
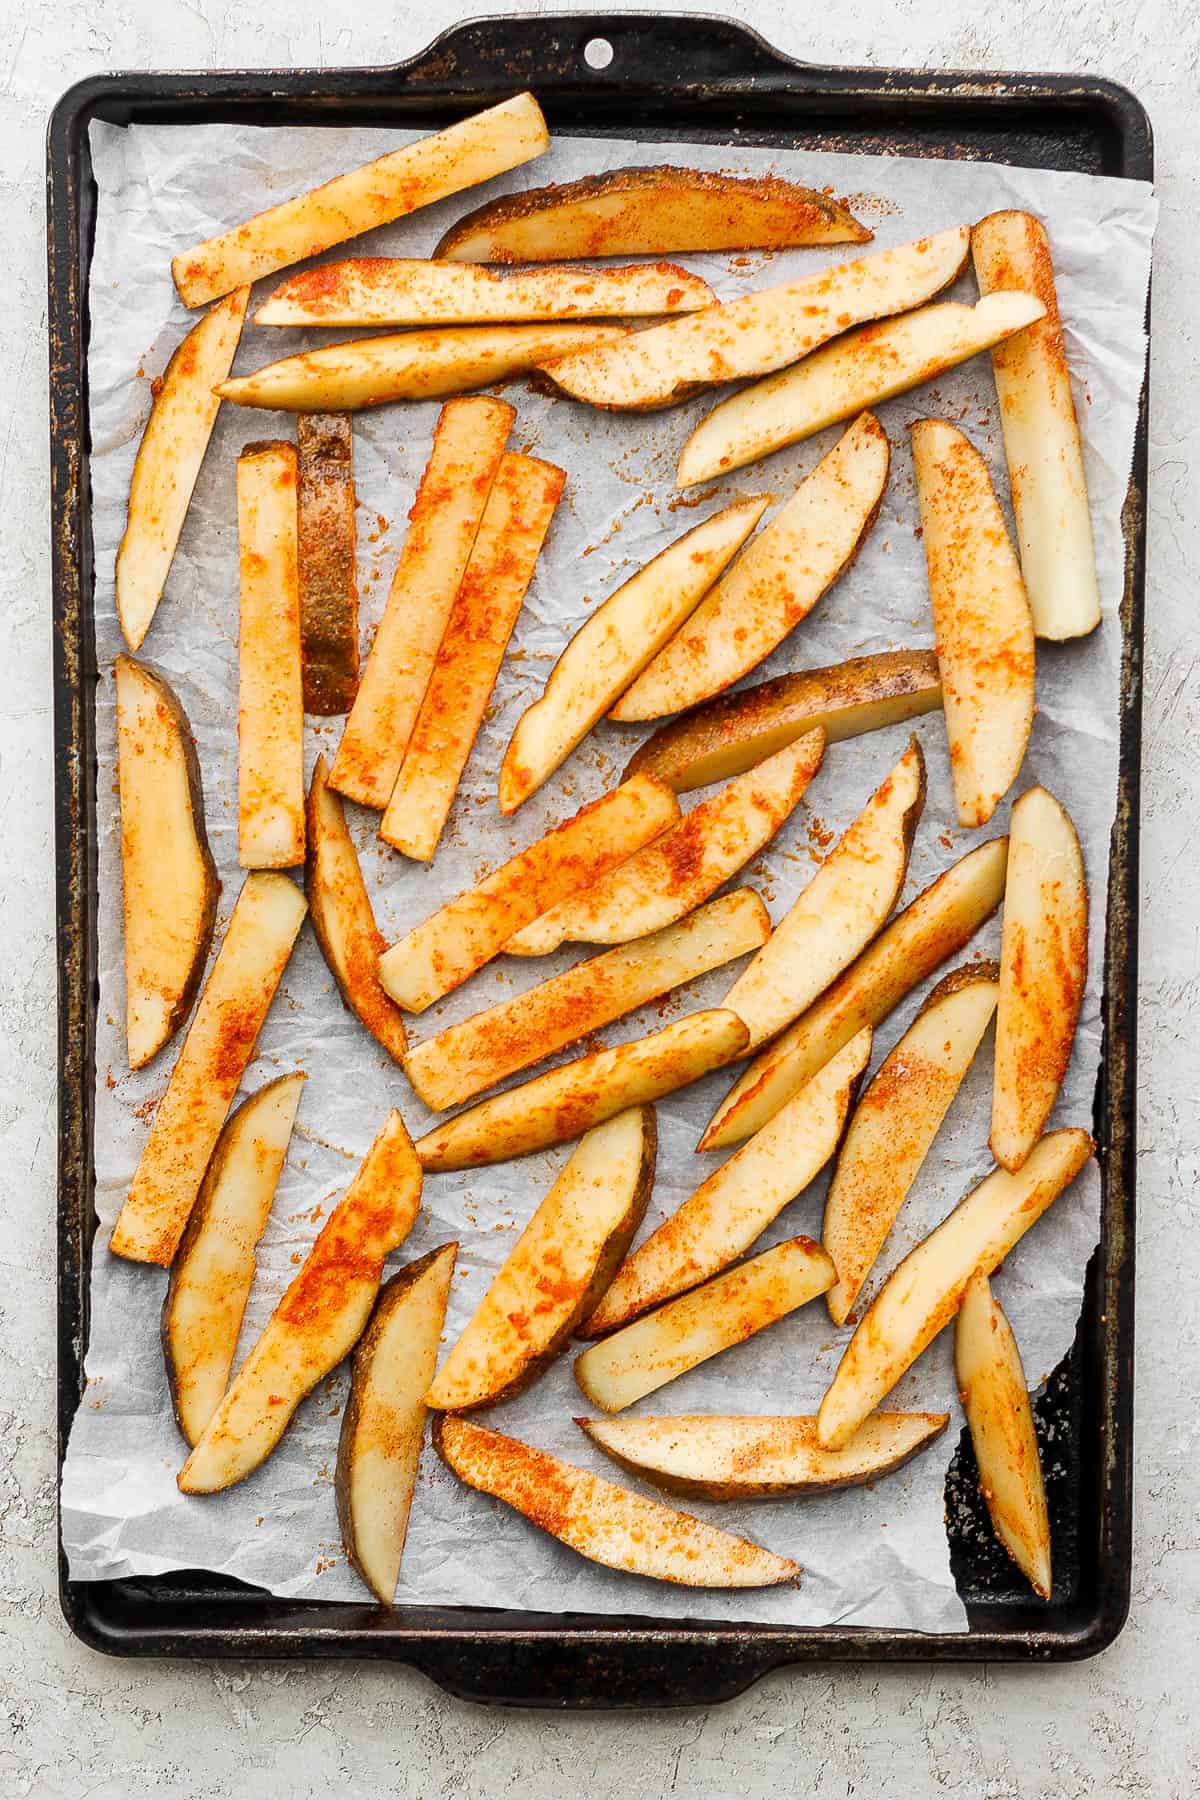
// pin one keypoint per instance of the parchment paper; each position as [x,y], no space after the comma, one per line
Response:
[872,1556]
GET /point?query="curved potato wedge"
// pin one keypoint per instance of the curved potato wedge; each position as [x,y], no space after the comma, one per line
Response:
[270,724]
[326,557]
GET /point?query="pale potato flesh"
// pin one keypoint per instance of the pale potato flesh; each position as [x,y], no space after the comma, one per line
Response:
[270,689]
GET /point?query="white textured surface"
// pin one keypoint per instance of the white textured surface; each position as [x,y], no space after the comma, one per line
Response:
[1125,1724]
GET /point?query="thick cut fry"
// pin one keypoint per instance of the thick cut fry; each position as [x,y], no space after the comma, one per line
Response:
[326,546]
[468,442]
[656,211]
[168,462]
[511,533]
[560,1264]
[688,864]
[270,697]
[486,144]
[760,331]
[981,618]
[616,643]
[1041,432]
[896,1122]
[942,918]
[565,1102]
[467,932]
[776,581]
[603,1522]
[168,876]
[861,369]
[923,1294]
[214,1265]
[321,1317]
[1043,969]
[466,1058]
[211,1061]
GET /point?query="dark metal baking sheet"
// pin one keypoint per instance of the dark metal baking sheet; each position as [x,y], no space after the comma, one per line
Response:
[683,78]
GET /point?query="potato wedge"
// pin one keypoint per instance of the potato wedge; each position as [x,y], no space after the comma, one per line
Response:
[1043,970]
[512,531]
[923,1293]
[732,733]
[731,1210]
[342,918]
[687,864]
[168,461]
[468,442]
[688,1330]
[757,332]
[462,1060]
[564,1102]
[605,1523]
[895,1124]
[326,553]
[616,643]
[398,290]
[844,905]
[440,954]
[859,370]
[464,154]
[557,1269]
[383,1425]
[168,875]
[1041,432]
[211,1062]
[992,1388]
[943,917]
[409,365]
[981,618]
[705,1457]
[270,696]
[215,1263]
[776,581]
[650,212]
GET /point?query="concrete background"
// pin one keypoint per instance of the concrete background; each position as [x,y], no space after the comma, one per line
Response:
[75,1724]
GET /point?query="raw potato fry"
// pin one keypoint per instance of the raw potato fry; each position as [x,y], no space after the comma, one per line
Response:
[942,918]
[215,1263]
[1041,432]
[731,1210]
[328,578]
[319,1320]
[776,581]
[564,1102]
[926,1290]
[861,369]
[168,876]
[895,1124]
[384,1422]
[340,908]
[757,332]
[995,1399]
[168,461]
[650,212]
[468,442]
[1043,969]
[616,643]
[397,290]
[981,619]
[687,864]
[732,733]
[211,1061]
[464,1059]
[439,955]
[515,521]
[666,1344]
[603,1522]
[560,1264]
[270,698]
[486,144]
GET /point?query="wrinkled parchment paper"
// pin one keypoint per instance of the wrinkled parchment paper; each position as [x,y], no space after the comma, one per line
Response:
[872,1556]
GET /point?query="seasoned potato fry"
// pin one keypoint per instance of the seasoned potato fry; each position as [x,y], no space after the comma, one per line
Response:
[270,697]
[326,550]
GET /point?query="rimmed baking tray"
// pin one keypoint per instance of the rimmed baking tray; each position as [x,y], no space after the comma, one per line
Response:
[679,78]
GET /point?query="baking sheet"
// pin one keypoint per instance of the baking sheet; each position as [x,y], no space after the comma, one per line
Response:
[872,1556]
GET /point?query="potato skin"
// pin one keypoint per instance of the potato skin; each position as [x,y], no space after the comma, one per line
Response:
[326,553]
